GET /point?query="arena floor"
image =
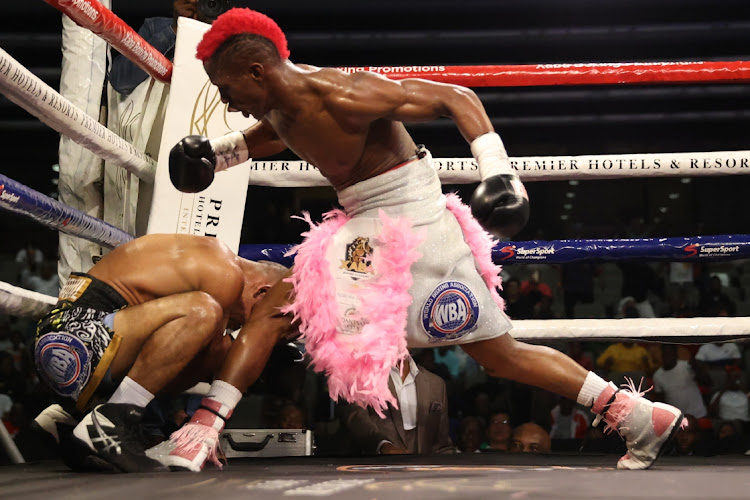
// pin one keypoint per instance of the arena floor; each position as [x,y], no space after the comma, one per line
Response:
[493,476]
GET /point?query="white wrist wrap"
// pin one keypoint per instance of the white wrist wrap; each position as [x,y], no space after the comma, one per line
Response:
[230,149]
[489,151]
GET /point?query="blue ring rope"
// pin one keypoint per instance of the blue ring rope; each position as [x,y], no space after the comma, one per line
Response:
[18,198]
[682,249]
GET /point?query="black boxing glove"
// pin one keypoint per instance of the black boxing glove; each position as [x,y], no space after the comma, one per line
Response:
[194,160]
[500,202]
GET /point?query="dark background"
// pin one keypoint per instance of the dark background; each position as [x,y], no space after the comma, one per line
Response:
[532,121]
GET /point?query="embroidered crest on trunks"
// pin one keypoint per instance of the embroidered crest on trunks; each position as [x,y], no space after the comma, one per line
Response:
[358,256]
[74,288]
[450,312]
[64,361]
[83,331]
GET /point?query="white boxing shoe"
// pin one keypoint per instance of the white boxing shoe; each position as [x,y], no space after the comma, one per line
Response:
[647,427]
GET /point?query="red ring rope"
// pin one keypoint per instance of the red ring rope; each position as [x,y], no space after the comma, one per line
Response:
[570,74]
[93,16]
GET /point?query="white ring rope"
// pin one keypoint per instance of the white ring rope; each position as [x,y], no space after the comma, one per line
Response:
[536,168]
[635,328]
[16,301]
[25,89]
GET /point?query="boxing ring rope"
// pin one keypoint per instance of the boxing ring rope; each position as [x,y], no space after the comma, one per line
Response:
[525,75]
[25,89]
[682,249]
[289,173]
[15,301]
[18,198]
[101,21]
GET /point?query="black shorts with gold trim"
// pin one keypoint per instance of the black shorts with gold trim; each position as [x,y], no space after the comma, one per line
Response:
[75,342]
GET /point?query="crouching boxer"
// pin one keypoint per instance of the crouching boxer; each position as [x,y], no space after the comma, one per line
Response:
[402,264]
[149,318]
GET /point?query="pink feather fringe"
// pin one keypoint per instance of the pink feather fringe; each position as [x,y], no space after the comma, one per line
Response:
[481,243]
[358,366]
[192,436]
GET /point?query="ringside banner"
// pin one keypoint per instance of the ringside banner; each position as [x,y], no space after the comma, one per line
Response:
[295,173]
[195,108]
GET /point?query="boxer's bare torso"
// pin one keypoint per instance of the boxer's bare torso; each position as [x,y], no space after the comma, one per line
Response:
[349,125]
[161,265]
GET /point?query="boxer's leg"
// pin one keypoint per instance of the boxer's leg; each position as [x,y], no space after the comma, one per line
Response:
[203,368]
[159,339]
[540,366]
[194,444]
[646,426]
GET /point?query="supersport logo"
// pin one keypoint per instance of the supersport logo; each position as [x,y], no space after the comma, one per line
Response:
[691,250]
[712,250]
[509,251]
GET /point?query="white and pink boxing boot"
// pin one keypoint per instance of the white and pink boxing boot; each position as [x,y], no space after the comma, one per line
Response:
[197,442]
[646,426]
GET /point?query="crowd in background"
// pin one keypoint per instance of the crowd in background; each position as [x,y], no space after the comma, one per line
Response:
[708,382]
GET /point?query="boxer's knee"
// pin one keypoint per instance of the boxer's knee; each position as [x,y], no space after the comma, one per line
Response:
[203,313]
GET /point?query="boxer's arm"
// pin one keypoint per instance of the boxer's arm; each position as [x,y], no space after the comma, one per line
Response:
[262,140]
[369,97]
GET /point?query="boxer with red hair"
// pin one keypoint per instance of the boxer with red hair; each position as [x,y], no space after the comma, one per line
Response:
[402,265]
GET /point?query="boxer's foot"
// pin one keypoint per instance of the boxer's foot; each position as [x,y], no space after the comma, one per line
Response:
[647,427]
[196,442]
[112,432]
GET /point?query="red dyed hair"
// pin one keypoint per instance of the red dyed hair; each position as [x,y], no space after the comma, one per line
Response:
[238,21]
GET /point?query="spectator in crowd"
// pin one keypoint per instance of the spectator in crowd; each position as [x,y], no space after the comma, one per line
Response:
[28,260]
[46,281]
[291,416]
[718,357]
[688,440]
[159,32]
[628,307]
[498,432]
[530,438]
[470,434]
[678,306]
[568,421]
[22,357]
[625,359]
[534,289]
[714,302]
[517,305]
[418,426]
[543,309]
[719,354]
[675,382]
[729,439]
[731,402]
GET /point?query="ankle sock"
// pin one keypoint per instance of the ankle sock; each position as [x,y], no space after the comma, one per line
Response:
[226,394]
[591,389]
[131,392]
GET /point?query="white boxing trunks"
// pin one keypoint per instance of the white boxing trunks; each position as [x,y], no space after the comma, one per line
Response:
[451,303]
[402,261]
